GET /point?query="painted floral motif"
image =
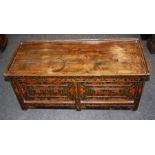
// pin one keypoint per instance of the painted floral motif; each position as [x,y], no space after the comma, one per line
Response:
[75,89]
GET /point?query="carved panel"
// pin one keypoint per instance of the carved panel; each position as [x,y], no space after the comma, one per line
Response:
[48,92]
[42,92]
[107,92]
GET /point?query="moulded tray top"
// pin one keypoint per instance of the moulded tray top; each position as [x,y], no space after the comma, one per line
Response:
[78,57]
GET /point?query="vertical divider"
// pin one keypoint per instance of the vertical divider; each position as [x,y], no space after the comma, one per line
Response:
[77,97]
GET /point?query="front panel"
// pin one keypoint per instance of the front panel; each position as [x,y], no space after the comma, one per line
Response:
[107,94]
[44,92]
[78,92]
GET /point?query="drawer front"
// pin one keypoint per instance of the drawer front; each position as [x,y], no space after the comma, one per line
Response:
[107,93]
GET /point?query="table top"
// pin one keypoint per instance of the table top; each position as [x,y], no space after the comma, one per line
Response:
[93,57]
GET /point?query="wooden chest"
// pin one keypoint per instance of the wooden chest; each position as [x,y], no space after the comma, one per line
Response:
[80,74]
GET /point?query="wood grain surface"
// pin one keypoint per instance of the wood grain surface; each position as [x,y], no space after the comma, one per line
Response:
[78,57]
